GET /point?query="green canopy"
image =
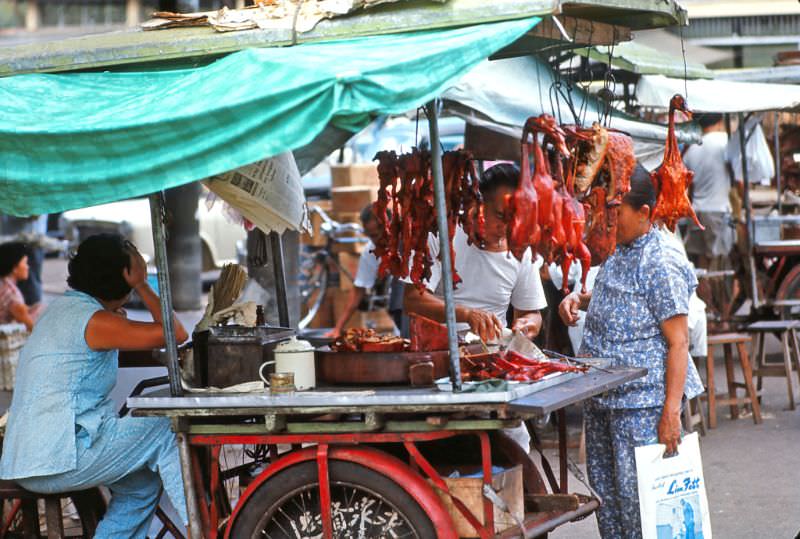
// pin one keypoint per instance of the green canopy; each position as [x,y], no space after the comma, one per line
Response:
[75,140]
[643,60]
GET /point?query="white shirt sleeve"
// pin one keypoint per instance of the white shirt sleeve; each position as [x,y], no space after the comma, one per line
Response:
[368,265]
[528,294]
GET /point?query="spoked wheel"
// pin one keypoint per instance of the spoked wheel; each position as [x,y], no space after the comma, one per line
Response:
[364,505]
[790,290]
[313,282]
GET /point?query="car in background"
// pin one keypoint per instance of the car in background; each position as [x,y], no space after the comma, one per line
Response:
[131,218]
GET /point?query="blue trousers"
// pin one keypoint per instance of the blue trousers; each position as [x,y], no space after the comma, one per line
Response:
[611,436]
[133,457]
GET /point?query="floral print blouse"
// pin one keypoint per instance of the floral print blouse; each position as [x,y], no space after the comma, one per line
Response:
[638,287]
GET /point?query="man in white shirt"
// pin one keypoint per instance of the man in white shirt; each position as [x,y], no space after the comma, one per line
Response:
[492,279]
[711,191]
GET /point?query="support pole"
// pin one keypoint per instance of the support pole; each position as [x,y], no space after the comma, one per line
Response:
[748,212]
[157,216]
[157,212]
[280,279]
[192,507]
[777,150]
[444,245]
[33,15]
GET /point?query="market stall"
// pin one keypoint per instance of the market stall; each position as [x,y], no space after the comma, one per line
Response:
[153,130]
[774,282]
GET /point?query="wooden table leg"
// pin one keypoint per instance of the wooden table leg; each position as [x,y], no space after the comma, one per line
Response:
[759,350]
[711,390]
[729,374]
[787,362]
[748,382]
[796,349]
[54,518]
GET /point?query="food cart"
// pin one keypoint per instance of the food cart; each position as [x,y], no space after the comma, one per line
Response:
[322,466]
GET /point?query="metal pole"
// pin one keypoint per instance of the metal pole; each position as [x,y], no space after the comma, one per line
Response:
[444,245]
[157,212]
[192,506]
[280,279]
[748,212]
[777,142]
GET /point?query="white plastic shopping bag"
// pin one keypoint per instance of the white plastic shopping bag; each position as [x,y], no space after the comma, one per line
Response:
[672,492]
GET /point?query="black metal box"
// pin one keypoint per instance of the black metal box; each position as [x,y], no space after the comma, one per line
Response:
[228,355]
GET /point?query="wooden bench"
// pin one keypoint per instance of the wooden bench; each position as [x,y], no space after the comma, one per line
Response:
[728,341]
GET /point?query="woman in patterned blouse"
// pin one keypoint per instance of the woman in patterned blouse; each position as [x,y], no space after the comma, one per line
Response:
[637,316]
[14,268]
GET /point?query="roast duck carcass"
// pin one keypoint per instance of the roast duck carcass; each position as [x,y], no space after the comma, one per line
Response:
[367,340]
[672,179]
[510,365]
[406,184]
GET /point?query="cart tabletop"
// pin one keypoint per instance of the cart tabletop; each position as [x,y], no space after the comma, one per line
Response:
[777,248]
[524,399]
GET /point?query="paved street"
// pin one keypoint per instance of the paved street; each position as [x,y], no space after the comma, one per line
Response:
[751,472]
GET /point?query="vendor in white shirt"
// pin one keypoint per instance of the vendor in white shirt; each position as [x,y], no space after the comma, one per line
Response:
[492,279]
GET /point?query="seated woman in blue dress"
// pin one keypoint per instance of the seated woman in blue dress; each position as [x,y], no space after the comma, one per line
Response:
[63,432]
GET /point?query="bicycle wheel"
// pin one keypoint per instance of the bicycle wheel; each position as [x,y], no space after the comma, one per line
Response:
[313,283]
[364,504]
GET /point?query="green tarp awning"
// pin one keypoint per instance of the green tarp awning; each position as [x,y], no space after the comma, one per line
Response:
[75,140]
[643,60]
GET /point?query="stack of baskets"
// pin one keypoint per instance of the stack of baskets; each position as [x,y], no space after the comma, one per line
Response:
[12,338]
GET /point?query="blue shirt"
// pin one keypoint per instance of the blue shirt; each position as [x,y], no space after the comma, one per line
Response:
[638,287]
[61,393]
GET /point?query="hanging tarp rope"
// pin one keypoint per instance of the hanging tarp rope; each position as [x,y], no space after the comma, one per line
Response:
[75,140]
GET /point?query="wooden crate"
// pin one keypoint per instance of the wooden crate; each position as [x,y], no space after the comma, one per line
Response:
[316,238]
[507,484]
[355,174]
[352,199]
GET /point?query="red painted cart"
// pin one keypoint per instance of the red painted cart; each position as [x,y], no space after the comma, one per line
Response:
[368,471]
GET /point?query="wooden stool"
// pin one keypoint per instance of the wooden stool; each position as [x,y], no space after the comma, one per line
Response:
[86,503]
[693,415]
[728,340]
[786,331]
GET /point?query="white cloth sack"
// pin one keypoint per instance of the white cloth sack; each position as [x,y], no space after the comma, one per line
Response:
[672,491]
[760,164]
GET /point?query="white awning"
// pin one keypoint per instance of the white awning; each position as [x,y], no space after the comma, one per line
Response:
[717,95]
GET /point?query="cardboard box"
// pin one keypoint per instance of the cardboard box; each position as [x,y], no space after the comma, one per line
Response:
[340,300]
[352,199]
[349,262]
[324,317]
[316,238]
[507,484]
[355,174]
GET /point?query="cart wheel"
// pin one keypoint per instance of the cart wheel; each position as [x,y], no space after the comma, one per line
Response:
[790,289]
[364,504]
